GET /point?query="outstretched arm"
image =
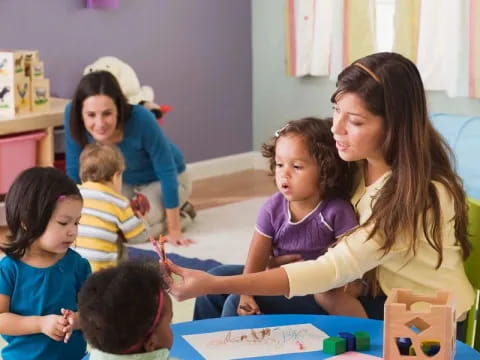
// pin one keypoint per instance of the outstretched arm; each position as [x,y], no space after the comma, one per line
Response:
[195,283]
[347,261]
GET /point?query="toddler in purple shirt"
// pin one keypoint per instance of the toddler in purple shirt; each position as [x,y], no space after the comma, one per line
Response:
[309,213]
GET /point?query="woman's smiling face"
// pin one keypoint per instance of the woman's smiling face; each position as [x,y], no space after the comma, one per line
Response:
[100,114]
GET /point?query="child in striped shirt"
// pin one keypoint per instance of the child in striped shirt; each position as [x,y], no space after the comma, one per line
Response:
[107,221]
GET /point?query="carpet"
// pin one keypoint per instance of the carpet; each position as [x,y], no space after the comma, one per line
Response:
[222,236]
[192,263]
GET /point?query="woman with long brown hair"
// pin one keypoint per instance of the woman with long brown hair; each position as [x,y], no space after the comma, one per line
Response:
[409,200]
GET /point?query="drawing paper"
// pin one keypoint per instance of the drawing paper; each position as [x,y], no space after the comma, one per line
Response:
[245,343]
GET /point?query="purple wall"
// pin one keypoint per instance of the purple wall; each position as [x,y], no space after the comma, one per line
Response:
[195,54]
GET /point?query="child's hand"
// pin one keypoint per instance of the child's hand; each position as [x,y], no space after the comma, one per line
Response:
[248,306]
[52,326]
[72,323]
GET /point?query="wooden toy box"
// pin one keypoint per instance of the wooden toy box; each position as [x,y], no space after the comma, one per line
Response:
[433,321]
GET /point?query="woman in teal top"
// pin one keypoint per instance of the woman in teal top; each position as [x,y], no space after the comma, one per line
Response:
[154,166]
[40,276]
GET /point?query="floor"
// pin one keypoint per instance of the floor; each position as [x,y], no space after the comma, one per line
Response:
[231,188]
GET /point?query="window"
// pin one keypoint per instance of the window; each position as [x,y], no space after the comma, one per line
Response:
[385,11]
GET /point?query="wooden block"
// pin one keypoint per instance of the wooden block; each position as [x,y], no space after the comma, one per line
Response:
[19,62]
[334,345]
[22,94]
[7,99]
[37,70]
[7,82]
[40,95]
[349,338]
[31,58]
[362,340]
[427,322]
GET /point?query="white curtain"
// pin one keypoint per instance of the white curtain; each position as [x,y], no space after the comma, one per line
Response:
[323,36]
[443,39]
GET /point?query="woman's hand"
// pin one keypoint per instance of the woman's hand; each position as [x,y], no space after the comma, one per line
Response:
[276,261]
[248,306]
[193,283]
[53,325]
[178,239]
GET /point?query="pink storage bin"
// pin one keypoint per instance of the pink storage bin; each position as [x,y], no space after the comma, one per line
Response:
[17,153]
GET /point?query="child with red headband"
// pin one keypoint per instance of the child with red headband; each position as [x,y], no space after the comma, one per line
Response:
[135,326]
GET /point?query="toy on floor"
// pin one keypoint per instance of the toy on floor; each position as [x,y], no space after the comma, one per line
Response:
[345,341]
[130,85]
[419,327]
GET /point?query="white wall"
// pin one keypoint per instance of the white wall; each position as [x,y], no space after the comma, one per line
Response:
[278,97]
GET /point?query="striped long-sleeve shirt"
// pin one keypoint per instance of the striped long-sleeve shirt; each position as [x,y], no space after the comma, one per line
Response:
[105,214]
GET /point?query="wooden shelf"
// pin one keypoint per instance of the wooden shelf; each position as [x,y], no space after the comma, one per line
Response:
[34,120]
[45,120]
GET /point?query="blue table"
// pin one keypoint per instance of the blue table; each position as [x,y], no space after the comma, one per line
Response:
[329,324]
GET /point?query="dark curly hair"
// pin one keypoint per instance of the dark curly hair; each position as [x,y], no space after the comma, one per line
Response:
[335,175]
[117,305]
[30,203]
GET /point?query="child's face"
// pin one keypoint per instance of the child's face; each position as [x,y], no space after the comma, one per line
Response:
[62,228]
[99,114]
[162,336]
[296,171]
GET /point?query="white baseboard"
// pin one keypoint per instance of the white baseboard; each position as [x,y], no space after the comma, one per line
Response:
[227,165]
[259,162]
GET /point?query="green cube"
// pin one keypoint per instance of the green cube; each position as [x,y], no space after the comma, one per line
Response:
[362,340]
[334,345]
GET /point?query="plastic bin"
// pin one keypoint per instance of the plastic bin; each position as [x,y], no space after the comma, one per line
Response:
[59,140]
[17,153]
[59,162]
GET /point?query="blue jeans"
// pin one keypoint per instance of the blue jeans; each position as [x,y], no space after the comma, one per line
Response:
[212,306]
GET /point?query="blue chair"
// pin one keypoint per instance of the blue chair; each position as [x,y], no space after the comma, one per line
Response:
[463,135]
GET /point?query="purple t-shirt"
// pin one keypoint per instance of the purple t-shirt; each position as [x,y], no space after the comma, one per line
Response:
[312,235]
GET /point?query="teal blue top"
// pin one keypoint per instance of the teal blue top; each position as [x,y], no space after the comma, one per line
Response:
[149,155]
[43,291]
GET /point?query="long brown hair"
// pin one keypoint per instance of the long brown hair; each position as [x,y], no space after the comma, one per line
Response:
[391,87]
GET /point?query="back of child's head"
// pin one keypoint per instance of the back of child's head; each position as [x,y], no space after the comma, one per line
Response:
[29,205]
[119,305]
[335,175]
[99,162]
